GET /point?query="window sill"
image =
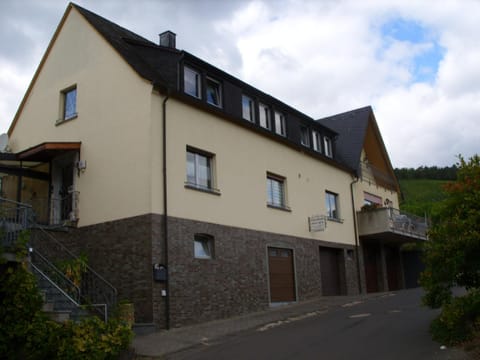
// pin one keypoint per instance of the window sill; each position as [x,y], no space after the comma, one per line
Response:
[340,221]
[283,208]
[218,106]
[202,189]
[62,121]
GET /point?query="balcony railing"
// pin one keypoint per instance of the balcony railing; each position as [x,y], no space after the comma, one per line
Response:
[385,220]
[56,210]
[14,218]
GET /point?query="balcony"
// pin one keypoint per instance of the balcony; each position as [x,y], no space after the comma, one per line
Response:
[391,225]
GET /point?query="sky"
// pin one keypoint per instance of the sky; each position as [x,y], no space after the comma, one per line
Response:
[417,63]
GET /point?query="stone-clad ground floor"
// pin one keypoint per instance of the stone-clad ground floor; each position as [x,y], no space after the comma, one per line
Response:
[217,271]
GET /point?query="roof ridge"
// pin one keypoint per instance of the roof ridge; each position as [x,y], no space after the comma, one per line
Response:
[134,36]
[348,113]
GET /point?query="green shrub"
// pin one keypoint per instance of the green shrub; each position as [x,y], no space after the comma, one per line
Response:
[27,333]
[458,320]
[20,301]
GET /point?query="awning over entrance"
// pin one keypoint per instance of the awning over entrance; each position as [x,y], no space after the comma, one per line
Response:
[46,151]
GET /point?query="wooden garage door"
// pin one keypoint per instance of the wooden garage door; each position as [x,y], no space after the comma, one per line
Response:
[329,267]
[282,279]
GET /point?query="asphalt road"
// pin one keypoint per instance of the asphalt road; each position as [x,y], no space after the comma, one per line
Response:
[391,327]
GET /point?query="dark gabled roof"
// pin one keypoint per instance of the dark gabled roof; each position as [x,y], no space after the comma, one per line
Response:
[352,128]
[136,50]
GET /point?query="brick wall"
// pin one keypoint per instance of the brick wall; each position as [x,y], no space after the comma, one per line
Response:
[234,282]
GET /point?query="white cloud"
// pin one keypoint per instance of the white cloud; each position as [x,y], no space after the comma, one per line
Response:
[321,57]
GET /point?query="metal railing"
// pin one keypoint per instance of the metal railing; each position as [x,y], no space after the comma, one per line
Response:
[14,218]
[56,210]
[94,289]
[54,275]
[404,222]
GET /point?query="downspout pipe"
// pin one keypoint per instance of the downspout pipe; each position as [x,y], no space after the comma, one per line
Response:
[357,246]
[165,207]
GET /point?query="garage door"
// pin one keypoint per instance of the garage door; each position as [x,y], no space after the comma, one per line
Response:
[282,279]
[329,267]
[370,254]
[392,258]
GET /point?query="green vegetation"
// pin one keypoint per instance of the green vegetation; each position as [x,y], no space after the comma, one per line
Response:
[27,333]
[421,196]
[451,257]
[448,173]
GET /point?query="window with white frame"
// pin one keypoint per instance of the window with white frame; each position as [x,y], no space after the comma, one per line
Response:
[248,108]
[331,204]
[327,143]
[280,124]
[264,116]
[317,142]
[304,136]
[214,92]
[199,169]
[276,191]
[69,103]
[203,246]
[191,82]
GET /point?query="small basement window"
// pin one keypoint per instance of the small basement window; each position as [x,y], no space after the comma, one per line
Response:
[203,246]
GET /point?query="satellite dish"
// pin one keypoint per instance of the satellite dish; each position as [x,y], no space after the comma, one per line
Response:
[3,142]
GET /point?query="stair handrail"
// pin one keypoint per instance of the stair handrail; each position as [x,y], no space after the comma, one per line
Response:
[46,277]
[110,299]
[58,273]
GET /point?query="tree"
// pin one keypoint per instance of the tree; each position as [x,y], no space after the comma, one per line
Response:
[452,255]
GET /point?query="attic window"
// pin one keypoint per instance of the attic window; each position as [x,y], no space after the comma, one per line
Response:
[327,143]
[304,136]
[191,82]
[214,92]
[317,141]
[248,108]
[280,125]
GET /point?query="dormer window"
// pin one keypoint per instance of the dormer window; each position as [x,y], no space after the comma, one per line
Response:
[327,143]
[280,124]
[304,136]
[248,108]
[214,92]
[192,82]
[317,141]
[264,115]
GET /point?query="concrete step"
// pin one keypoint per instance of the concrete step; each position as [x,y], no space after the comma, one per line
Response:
[58,315]
[48,306]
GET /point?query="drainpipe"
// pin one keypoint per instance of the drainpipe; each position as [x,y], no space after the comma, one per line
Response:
[165,208]
[357,246]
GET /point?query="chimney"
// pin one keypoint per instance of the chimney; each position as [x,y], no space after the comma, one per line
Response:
[167,39]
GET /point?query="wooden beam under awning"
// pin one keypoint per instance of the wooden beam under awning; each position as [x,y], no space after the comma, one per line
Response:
[47,150]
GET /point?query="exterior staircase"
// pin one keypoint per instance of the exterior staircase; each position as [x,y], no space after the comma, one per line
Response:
[63,300]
